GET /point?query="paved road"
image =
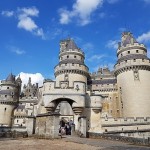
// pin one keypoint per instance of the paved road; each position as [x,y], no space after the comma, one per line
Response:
[105,144]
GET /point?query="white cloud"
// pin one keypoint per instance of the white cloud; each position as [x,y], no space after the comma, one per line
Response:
[35,78]
[27,23]
[112,44]
[145,37]
[25,20]
[81,10]
[96,57]
[65,16]
[30,11]
[7,13]
[16,50]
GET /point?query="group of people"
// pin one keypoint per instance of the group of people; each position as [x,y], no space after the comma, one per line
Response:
[65,127]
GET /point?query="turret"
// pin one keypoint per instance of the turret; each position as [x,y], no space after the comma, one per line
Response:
[9,98]
[133,75]
[71,65]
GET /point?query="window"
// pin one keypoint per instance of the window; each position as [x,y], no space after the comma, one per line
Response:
[128,52]
[7,87]
[72,64]
[67,56]
[134,60]
[121,55]
[137,51]
[5,95]
[143,60]
[5,109]
[65,64]
[74,56]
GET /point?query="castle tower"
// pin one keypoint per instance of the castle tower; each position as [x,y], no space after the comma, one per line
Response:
[71,65]
[9,98]
[133,75]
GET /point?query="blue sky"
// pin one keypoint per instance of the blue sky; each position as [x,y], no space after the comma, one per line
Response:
[30,31]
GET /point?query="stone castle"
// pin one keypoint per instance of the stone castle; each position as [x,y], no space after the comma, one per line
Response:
[106,102]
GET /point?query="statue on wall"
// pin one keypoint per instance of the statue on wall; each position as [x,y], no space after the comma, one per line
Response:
[136,75]
[66,77]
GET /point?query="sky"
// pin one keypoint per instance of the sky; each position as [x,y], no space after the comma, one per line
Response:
[30,32]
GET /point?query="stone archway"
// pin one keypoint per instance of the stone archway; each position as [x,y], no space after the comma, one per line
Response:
[64,107]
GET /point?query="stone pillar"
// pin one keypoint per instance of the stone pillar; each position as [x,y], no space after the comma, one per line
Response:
[30,125]
[47,125]
[82,126]
[95,121]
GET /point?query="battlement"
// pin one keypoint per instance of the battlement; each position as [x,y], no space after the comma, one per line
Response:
[132,63]
[109,121]
[63,88]
[131,45]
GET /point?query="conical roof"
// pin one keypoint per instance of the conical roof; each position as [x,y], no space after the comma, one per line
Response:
[10,77]
[127,38]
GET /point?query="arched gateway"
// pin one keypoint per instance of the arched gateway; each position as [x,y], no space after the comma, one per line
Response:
[68,93]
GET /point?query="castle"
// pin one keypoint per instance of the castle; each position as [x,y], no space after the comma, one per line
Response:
[115,102]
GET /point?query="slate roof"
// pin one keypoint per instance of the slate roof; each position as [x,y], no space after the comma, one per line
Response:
[8,92]
[10,77]
[104,81]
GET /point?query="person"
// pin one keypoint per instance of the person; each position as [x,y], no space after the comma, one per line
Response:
[70,125]
[62,127]
[67,128]
[62,123]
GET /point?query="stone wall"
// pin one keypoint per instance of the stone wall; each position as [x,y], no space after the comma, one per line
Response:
[139,141]
[47,125]
[134,127]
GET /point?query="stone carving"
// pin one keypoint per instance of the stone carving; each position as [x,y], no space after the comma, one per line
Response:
[64,85]
[136,75]
[77,87]
[66,77]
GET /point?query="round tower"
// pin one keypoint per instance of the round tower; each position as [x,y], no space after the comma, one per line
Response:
[71,65]
[133,75]
[9,98]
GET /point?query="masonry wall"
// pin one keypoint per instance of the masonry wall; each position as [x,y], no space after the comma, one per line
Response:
[47,126]
[134,93]
[6,114]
